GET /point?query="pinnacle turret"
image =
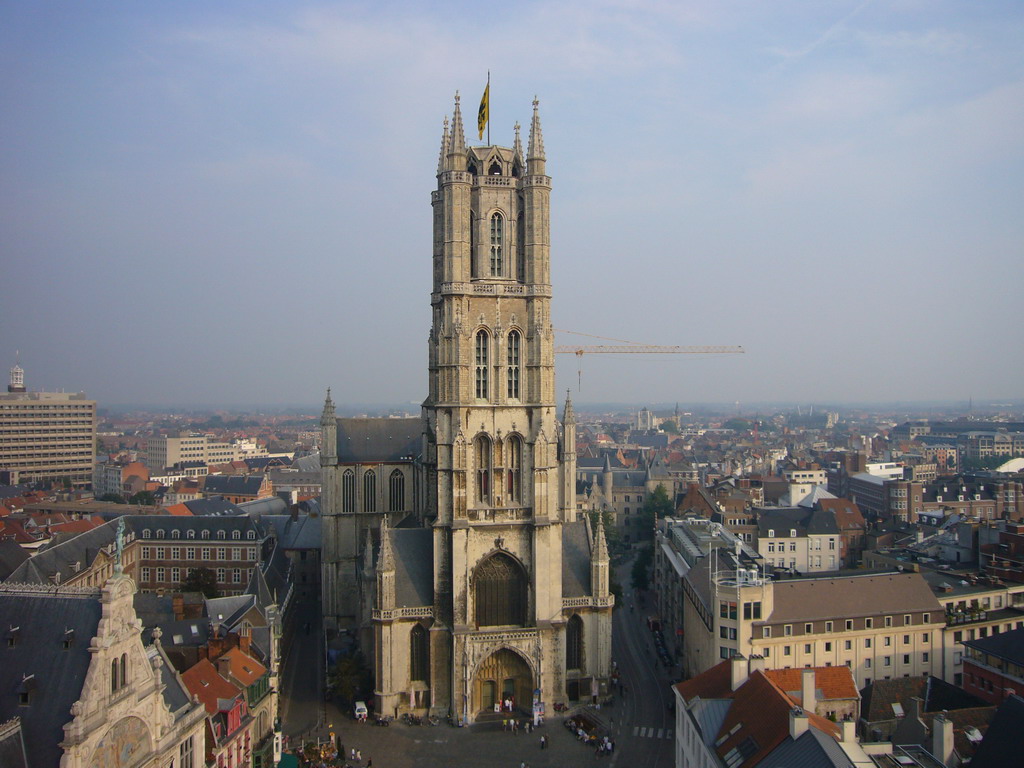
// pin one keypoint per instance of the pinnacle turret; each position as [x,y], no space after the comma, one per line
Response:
[457,142]
[600,544]
[517,145]
[535,154]
[569,416]
[386,561]
[327,417]
[445,141]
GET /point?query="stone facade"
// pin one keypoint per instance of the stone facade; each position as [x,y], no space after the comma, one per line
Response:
[501,591]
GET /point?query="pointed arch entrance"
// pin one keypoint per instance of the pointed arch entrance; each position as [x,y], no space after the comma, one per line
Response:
[502,674]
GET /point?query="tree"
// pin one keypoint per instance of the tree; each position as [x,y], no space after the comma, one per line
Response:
[113,497]
[640,574]
[658,504]
[612,536]
[145,498]
[201,580]
[350,678]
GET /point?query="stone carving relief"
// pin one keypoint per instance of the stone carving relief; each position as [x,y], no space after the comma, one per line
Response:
[123,746]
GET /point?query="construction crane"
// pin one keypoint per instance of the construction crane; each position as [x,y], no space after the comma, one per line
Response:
[632,348]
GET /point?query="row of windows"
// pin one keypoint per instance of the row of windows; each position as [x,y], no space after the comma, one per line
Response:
[159,575]
[869,623]
[191,534]
[513,344]
[222,553]
[396,491]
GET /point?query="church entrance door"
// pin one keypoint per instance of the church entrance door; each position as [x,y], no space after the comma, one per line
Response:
[507,672]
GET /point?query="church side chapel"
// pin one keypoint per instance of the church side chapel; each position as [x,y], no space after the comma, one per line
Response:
[483,584]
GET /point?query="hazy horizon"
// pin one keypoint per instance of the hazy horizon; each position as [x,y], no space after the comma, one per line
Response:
[230,202]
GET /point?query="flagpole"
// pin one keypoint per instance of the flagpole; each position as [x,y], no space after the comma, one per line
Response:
[488,107]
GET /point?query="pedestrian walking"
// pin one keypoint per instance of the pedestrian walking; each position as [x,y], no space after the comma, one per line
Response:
[369,762]
[352,754]
[359,756]
[504,724]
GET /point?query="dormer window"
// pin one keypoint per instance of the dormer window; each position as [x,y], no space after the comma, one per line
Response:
[13,636]
[26,689]
[175,534]
[205,534]
[771,533]
[146,534]
[69,639]
[792,533]
[190,534]
[236,535]
[161,533]
[222,534]
[250,535]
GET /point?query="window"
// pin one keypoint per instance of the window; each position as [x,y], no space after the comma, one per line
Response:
[766,632]
[888,621]
[831,543]
[849,625]
[160,575]
[160,553]
[500,592]
[145,573]
[808,629]
[869,623]
[114,682]
[497,244]
[514,481]
[807,647]
[176,575]
[924,657]
[206,553]
[236,576]
[792,546]
[926,618]
[348,491]
[513,365]
[482,344]
[786,650]
[574,643]
[175,534]
[907,620]
[236,535]
[787,630]
[145,553]
[222,534]
[828,626]
[867,663]
[482,455]
[887,641]
[727,609]
[396,491]
[828,647]
[370,491]
[847,645]
[906,639]
[771,533]
[190,534]
[205,534]
[752,611]
[887,661]
[867,642]
[419,654]
[190,553]
[924,638]
[906,658]
[792,533]
[222,575]
[185,753]
[222,553]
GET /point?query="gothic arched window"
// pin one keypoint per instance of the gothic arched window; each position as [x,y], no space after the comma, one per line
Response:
[482,458]
[348,491]
[482,344]
[574,643]
[419,654]
[499,591]
[370,491]
[514,469]
[124,669]
[514,339]
[396,491]
[113,677]
[497,245]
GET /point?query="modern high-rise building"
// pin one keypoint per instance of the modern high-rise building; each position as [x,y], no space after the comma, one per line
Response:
[46,437]
[501,592]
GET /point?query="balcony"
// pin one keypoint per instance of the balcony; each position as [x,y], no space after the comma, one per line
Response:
[499,515]
[968,616]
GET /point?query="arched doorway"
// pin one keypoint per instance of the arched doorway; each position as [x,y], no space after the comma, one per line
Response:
[503,674]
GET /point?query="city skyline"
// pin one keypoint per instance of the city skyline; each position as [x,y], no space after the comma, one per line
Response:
[232,205]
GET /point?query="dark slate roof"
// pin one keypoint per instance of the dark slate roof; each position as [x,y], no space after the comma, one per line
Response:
[1008,646]
[176,695]
[305,532]
[263,462]
[576,559]
[271,505]
[81,549]
[12,555]
[1003,735]
[140,524]
[213,507]
[813,749]
[936,696]
[233,485]
[367,440]
[413,550]
[805,521]
[56,674]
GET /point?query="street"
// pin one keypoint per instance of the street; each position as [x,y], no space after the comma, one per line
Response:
[640,721]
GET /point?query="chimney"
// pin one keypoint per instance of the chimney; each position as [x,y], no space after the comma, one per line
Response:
[798,723]
[849,727]
[942,738]
[738,670]
[178,606]
[224,667]
[757,663]
[807,697]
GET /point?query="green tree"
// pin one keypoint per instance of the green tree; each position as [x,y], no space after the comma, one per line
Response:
[115,498]
[641,573]
[349,678]
[146,498]
[201,580]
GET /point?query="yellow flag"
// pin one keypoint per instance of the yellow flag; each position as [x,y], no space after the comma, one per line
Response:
[484,114]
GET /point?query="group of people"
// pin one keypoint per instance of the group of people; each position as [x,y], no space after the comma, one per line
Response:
[603,744]
[512,724]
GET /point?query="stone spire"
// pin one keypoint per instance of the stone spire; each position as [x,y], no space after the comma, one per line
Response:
[328,434]
[457,142]
[445,141]
[599,562]
[570,414]
[385,570]
[517,145]
[600,543]
[535,156]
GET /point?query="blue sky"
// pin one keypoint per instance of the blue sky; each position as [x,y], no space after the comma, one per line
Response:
[230,202]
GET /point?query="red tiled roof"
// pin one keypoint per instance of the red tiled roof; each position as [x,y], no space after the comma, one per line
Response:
[244,668]
[203,680]
[833,682]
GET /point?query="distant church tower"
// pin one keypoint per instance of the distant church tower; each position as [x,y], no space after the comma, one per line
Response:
[520,592]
